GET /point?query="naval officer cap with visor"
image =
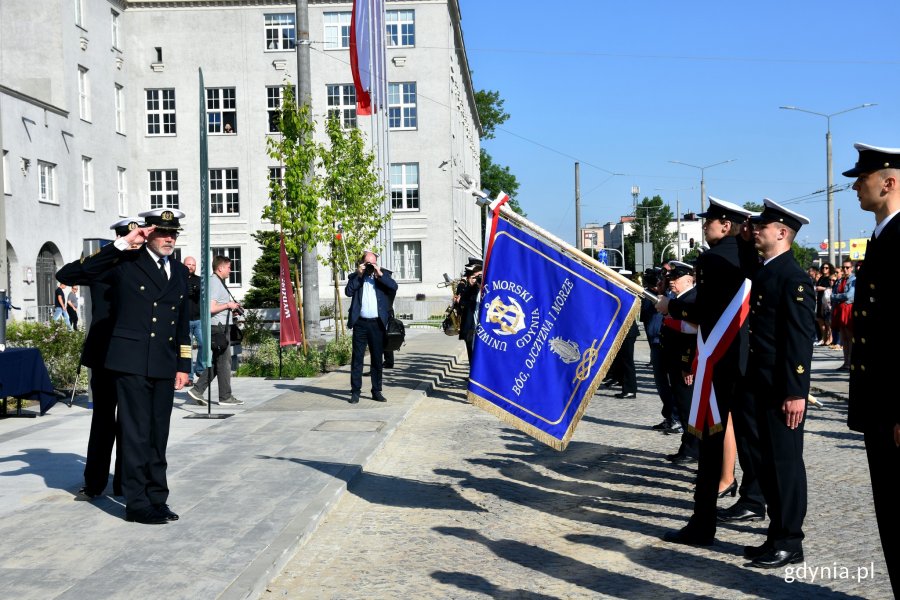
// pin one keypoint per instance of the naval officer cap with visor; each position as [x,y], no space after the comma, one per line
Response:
[873,158]
[776,213]
[165,219]
[723,210]
[123,226]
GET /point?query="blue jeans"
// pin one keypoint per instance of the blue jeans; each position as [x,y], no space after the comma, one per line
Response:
[60,314]
[197,334]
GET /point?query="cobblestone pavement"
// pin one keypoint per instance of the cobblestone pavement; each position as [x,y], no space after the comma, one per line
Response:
[457,505]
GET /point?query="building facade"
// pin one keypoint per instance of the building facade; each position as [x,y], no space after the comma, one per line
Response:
[136,63]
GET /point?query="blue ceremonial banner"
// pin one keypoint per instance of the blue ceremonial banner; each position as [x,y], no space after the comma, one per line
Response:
[550,323]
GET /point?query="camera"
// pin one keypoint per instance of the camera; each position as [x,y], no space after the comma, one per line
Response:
[369,269]
[478,279]
[239,311]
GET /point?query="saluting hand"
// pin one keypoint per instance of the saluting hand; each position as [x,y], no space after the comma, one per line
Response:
[139,235]
[793,408]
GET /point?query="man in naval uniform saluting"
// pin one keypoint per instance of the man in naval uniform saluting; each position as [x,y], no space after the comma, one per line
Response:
[874,406]
[149,354]
[782,327]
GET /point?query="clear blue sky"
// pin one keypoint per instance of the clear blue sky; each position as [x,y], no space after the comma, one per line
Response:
[625,87]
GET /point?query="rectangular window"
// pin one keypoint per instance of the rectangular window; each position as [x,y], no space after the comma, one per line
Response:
[337,30]
[405,186]
[280,31]
[223,192]
[234,253]
[79,13]
[47,178]
[114,18]
[84,94]
[6,189]
[342,104]
[402,105]
[276,177]
[164,189]
[273,104]
[122,192]
[161,112]
[87,183]
[221,110]
[408,261]
[120,109]
[401,28]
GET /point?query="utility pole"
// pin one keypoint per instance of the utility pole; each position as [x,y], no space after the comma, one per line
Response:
[678,230]
[840,243]
[309,259]
[579,242]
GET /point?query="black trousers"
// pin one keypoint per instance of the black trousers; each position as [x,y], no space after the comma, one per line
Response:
[746,435]
[661,380]
[782,474]
[145,409]
[683,393]
[367,333]
[104,432]
[884,464]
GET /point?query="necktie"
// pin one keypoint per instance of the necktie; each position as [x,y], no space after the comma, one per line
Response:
[162,269]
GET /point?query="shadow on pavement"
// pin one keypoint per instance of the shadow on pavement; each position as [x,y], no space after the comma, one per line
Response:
[477,583]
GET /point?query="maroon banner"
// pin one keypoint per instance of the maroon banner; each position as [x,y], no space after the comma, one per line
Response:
[290,322]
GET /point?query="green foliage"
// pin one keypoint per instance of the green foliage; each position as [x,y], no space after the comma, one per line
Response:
[756,207]
[262,361]
[353,197]
[490,112]
[265,284]
[60,347]
[804,256]
[658,215]
[254,329]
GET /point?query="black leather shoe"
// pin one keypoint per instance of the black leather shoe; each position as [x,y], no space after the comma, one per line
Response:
[754,552]
[147,516]
[675,428]
[681,459]
[775,559]
[86,494]
[663,425]
[378,397]
[165,511]
[687,537]
[738,514]
[354,398]
[626,395]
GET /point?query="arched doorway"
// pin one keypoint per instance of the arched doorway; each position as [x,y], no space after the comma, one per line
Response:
[45,269]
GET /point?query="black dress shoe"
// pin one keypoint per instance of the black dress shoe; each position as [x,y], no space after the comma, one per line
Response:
[775,559]
[688,538]
[354,398]
[378,397]
[681,459]
[674,428]
[165,511]
[626,395]
[738,514]
[662,425]
[754,552]
[86,494]
[147,516]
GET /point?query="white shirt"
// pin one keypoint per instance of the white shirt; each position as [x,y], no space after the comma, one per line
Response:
[369,307]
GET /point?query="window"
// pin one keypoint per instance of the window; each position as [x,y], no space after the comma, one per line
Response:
[120,109]
[408,260]
[401,28]
[280,32]
[161,112]
[234,253]
[114,18]
[276,177]
[273,102]
[87,183]
[405,186]
[220,110]
[337,30]
[79,13]
[84,94]
[6,172]
[402,105]
[176,254]
[223,192]
[342,104]
[122,192]
[164,189]
[47,177]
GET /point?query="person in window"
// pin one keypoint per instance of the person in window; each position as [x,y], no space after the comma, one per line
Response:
[228,128]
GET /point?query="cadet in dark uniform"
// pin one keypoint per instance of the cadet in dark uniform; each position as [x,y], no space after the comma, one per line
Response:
[782,326]
[149,353]
[104,430]
[874,407]
[720,275]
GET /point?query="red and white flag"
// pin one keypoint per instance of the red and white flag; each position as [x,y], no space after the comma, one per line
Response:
[367,54]
[290,322]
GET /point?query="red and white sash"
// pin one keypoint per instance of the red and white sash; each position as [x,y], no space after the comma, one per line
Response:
[704,409]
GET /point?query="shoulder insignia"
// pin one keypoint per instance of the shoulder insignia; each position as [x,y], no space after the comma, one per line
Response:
[800,370]
[799,288]
[799,298]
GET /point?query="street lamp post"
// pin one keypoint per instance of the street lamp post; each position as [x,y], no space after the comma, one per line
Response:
[830,191]
[702,177]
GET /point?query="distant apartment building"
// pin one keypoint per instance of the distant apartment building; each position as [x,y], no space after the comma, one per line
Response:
[101,120]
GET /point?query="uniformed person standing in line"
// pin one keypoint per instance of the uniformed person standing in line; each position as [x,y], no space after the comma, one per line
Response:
[874,406]
[149,353]
[104,430]
[782,326]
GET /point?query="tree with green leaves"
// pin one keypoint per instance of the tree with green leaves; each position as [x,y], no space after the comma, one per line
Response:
[265,284]
[658,215]
[804,256]
[494,177]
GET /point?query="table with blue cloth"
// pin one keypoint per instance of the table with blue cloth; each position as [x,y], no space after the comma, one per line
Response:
[24,376]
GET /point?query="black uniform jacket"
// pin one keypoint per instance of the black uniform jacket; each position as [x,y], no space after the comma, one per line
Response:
[719,275]
[93,353]
[147,324]
[782,326]
[874,397]
[679,348]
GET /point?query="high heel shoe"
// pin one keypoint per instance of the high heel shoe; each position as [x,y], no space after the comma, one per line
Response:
[731,489]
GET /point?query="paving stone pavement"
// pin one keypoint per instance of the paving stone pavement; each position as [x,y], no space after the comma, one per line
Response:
[458,505]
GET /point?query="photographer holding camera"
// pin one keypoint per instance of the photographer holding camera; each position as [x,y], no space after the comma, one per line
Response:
[372,290]
[468,305]
[221,307]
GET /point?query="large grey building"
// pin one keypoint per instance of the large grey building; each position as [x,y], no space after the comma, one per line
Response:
[100,111]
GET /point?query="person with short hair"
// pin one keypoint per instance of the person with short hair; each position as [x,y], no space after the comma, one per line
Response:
[59,305]
[842,297]
[195,287]
[72,307]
